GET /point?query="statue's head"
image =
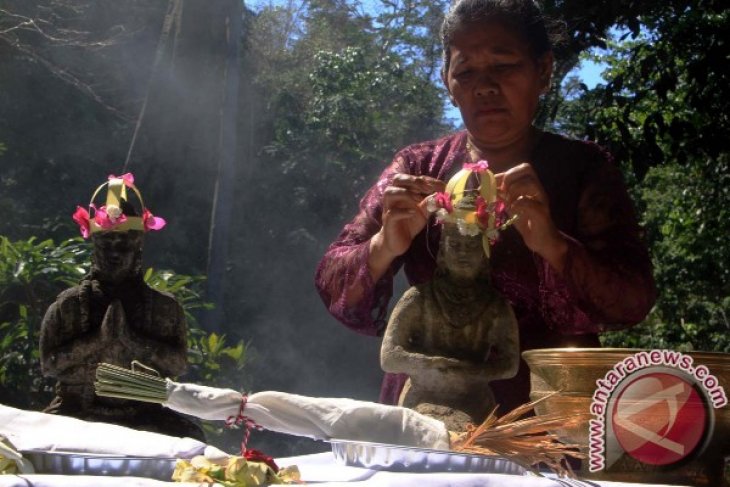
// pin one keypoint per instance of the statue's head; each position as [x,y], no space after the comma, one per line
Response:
[470,209]
[461,251]
[117,256]
[462,256]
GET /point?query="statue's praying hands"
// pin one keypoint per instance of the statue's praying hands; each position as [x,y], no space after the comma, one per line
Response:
[113,316]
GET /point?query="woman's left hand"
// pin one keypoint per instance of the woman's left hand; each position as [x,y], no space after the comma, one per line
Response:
[524,196]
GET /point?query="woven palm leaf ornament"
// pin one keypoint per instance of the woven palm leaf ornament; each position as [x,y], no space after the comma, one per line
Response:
[525,441]
[117,214]
[470,202]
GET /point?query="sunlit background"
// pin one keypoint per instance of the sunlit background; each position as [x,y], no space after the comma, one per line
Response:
[257,146]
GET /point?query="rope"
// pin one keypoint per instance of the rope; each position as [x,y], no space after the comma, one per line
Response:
[248,423]
[174,13]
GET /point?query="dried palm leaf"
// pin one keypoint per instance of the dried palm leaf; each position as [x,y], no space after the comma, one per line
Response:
[528,441]
[121,383]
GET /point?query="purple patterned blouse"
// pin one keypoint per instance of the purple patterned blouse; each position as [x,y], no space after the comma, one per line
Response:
[606,284]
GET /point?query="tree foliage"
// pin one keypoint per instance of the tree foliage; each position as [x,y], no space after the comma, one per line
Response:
[663,113]
[33,273]
[343,97]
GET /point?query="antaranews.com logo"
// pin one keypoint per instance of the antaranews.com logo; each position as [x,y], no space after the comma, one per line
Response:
[655,406]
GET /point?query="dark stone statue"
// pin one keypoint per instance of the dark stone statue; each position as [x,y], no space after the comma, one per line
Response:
[452,335]
[113,316]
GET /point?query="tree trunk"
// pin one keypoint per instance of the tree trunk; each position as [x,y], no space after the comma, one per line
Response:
[224,188]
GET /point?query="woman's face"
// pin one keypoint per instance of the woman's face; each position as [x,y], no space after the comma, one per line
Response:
[495,82]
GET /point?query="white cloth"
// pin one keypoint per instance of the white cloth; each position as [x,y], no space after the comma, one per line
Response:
[322,467]
[87,481]
[322,470]
[314,417]
[29,430]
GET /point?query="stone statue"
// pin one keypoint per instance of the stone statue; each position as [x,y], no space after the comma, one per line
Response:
[113,316]
[452,336]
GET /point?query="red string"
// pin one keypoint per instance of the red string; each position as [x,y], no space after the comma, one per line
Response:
[248,423]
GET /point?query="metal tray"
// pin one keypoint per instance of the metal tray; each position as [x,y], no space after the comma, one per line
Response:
[378,456]
[72,463]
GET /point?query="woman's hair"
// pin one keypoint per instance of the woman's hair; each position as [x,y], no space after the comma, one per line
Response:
[525,16]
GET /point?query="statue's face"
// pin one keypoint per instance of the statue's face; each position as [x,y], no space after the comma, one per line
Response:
[463,255]
[117,255]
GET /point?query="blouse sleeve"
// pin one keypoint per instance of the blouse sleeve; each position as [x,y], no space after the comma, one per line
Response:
[607,281]
[345,264]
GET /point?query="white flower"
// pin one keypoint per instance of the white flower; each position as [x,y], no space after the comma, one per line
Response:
[113,211]
[442,214]
[431,205]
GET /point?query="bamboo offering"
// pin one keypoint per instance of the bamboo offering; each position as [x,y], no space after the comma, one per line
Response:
[526,441]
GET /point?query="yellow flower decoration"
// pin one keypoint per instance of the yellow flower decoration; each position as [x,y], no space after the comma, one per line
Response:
[233,472]
[11,461]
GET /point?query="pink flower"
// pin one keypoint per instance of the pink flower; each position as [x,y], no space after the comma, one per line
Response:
[443,200]
[152,222]
[482,212]
[81,217]
[479,166]
[500,212]
[107,221]
[128,178]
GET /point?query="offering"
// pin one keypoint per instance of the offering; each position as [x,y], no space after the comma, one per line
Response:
[525,441]
[12,461]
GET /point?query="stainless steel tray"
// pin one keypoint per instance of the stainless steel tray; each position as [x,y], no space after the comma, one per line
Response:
[72,463]
[377,456]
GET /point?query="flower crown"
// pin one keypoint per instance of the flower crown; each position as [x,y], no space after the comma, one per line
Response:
[488,216]
[111,217]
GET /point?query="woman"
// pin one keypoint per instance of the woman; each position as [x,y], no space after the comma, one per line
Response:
[572,265]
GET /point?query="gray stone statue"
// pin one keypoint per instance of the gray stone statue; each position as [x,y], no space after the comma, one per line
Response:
[113,316]
[452,336]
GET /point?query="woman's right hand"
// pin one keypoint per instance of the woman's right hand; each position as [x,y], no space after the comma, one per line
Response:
[403,215]
[403,218]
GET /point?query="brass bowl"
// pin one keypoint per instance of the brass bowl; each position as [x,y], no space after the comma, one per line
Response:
[570,375]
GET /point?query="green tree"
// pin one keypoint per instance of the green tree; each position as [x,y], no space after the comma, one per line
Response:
[663,113]
[344,100]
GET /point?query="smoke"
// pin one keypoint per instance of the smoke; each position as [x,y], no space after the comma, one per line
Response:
[60,135]
[299,348]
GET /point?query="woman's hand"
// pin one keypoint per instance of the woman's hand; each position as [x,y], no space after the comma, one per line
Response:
[524,196]
[403,219]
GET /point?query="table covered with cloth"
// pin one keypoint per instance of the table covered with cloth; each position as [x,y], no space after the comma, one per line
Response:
[323,470]
[28,430]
